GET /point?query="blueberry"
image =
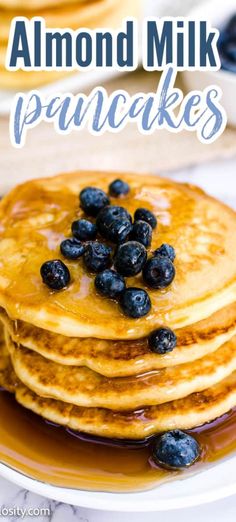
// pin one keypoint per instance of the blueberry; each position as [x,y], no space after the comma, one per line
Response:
[111,213]
[231,27]
[97,257]
[135,302]
[175,450]
[162,340]
[92,200]
[231,51]
[114,224]
[110,284]
[130,258]
[84,230]
[227,65]
[158,272]
[227,46]
[166,251]
[118,188]
[72,248]
[142,232]
[227,50]
[119,231]
[142,214]
[55,274]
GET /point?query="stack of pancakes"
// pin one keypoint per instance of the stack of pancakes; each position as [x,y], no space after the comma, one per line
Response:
[74,358]
[75,14]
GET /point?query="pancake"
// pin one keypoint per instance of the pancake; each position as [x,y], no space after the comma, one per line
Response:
[8,379]
[194,410]
[124,358]
[36,216]
[91,15]
[38,4]
[83,387]
[4,356]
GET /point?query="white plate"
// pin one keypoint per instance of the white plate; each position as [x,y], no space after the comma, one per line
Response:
[215,483]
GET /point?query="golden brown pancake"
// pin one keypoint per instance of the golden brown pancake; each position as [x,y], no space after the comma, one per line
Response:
[37,216]
[30,5]
[83,387]
[89,14]
[124,358]
[189,412]
[8,379]
[194,410]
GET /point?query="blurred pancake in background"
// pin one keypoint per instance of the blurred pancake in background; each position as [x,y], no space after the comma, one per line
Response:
[74,15]
[37,4]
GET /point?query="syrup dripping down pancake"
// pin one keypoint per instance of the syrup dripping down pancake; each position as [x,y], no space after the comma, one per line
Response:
[83,387]
[37,216]
[125,358]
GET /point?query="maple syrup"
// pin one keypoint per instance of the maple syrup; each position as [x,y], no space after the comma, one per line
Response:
[61,457]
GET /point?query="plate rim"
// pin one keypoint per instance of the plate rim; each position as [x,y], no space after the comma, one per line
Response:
[141,502]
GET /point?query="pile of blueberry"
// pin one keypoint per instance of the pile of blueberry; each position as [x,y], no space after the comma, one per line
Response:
[124,255]
[227,45]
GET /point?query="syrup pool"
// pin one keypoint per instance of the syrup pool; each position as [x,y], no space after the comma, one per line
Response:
[60,457]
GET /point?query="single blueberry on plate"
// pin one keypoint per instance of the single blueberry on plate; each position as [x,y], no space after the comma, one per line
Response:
[158,272]
[92,200]
[118,188]
[162,340]
[142,232]
[97,257]
[135,302]
[143,214]
[166,251]
[72,248]
[114,224]
[130,258]
[84,230]
[55,274]
[110,284]
[175,450]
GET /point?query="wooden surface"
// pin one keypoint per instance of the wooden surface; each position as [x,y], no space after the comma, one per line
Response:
[47,153]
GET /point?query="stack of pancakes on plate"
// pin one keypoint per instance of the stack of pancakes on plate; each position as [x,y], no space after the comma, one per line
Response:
[74,358]
[73,14]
